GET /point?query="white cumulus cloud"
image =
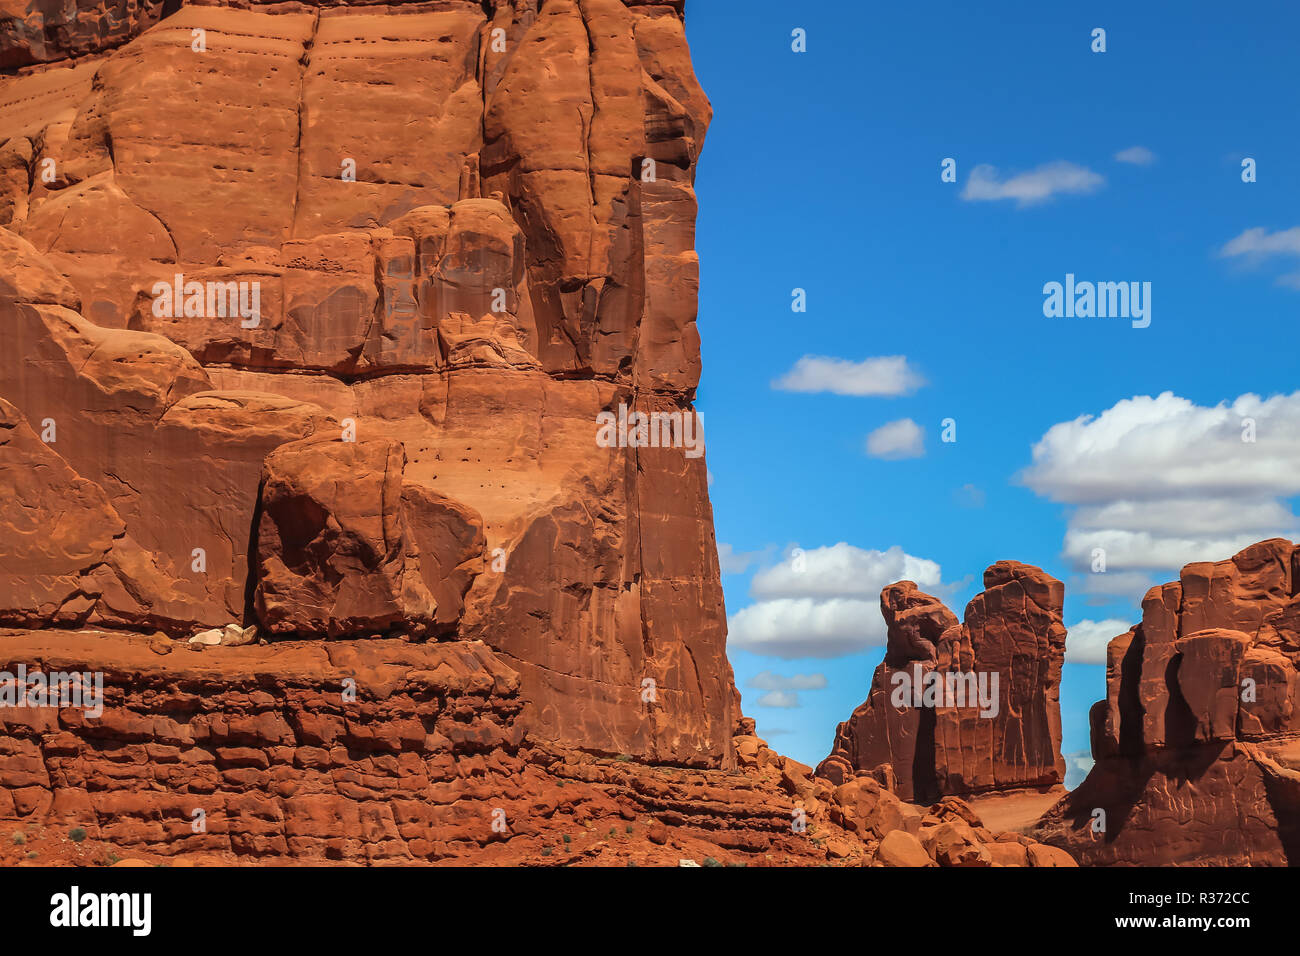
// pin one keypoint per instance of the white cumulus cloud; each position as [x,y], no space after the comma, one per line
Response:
[886,375]
[824,602]
[842,570]
[1077,766]
[893,441]
[1159,482]
[1037,185]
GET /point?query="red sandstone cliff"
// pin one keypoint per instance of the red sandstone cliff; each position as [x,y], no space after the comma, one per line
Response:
[504,267]
[1196,742]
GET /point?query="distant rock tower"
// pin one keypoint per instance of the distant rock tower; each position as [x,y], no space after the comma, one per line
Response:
[967,708]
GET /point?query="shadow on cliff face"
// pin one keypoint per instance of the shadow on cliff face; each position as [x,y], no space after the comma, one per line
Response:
[1180,721]
[1114,785]
[1119,786]
[925,780]
[251,571]
[52,30]
[1284,798]
[1130,704]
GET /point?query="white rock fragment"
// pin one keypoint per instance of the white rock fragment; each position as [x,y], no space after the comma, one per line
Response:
[209,638]
[236,636]
[232,635]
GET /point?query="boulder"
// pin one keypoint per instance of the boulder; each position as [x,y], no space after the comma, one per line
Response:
[900,848]
[346,547]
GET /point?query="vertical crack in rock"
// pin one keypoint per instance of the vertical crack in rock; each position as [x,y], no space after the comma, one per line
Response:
[589,123]
[305,62]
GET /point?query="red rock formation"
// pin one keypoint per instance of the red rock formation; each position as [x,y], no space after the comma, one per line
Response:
[925,747]
[345,546]
[1196,742]
[312,312]
[394,752]
[43,31]
[469,228]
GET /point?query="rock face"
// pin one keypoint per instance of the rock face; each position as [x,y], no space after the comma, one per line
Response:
[963,708]
[1196,742]
[312,312]
[43,31]
[339,543]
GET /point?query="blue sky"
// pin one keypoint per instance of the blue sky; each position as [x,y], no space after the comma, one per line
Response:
[821,171]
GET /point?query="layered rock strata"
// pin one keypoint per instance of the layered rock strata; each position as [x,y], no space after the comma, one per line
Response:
[388,752]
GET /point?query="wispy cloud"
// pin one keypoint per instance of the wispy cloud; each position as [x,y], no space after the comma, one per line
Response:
[1136,155]
[1037,185]
[897,440]
[1259,243]
[884,376]
[767,680]
[779,698]
[732,561]
[1256,245]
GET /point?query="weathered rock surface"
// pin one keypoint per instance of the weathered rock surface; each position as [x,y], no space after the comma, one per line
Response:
[1010,649]
[386,751]
[344,546]
[43,31]
[1197,744]
[455,231]
[67,558]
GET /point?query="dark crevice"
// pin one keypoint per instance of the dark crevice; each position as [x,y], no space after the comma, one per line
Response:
[925,781]
[250,578]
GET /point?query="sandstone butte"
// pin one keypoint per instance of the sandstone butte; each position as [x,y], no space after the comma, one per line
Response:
[1002,752]
[1197,744]
[432,243]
